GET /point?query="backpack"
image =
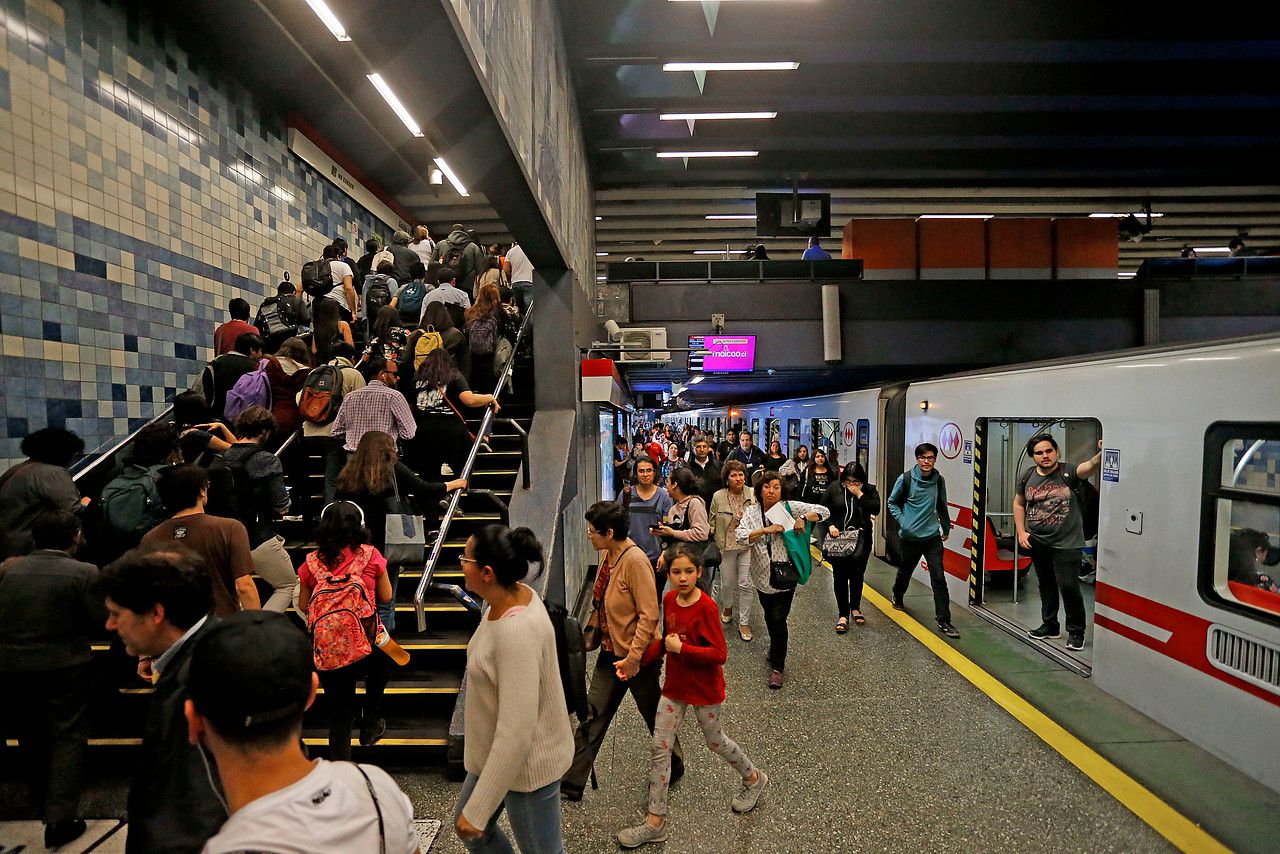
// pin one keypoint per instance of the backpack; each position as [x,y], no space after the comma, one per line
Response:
[317,278]
[429,340]
[275,319]
[342,620]
[410,301]
[571,656]
[321,395]
[377,294]
[483,335]
[452,257]
[252,389]
[131,504]
[243,501]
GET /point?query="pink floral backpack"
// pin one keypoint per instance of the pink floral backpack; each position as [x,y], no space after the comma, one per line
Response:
[343,620]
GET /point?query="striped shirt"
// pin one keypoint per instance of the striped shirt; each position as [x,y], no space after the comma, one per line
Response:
[374,407]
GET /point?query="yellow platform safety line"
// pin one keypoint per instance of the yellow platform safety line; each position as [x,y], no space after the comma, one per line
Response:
[1181,832]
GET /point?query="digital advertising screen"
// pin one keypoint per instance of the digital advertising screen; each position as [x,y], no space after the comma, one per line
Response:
[726,354]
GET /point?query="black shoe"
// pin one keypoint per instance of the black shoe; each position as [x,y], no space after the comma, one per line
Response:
[570,793]
[1075,640]
[59,834]
[371,733]
[1046,631]
[899,604]
[677,770]
[948,630]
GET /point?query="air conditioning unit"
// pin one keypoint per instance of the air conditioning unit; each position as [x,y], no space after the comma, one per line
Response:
[644,344]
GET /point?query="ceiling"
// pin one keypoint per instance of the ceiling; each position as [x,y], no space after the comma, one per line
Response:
[977,108]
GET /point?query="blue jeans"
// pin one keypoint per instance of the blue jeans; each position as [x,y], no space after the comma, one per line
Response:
[535,820]
[387,610]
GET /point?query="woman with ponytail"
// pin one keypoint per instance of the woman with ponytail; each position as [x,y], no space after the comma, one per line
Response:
[519,740]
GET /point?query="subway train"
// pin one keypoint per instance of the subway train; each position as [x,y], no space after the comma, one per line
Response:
[1180,582]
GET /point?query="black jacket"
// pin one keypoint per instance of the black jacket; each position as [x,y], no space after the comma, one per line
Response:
[836,499]
[220,375]
[48,611]
[173,805]
[709,477]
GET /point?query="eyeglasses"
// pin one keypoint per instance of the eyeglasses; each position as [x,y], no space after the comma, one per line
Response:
[928,458]
[465,559]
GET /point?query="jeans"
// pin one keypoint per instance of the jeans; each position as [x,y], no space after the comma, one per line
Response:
[51,723]
[534,816]
[524,294]
[776,608]
[710,719]
[735,572]
[272,564]
[603,699]
[340,693]
[387,610]
[931,551]
[849,574]
[1059,569]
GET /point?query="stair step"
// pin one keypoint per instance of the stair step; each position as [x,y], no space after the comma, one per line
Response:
[395,686]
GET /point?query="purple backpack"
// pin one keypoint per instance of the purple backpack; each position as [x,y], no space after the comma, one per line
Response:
[252,389]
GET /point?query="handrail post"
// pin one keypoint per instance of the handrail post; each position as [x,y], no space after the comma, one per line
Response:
[525,477]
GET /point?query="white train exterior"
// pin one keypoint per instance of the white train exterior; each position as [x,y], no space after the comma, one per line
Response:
[1191,441]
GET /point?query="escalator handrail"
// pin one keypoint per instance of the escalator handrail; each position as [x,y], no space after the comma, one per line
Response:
[455,499]
[87,466]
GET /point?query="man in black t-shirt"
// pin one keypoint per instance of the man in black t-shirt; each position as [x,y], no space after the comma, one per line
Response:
[1050,526]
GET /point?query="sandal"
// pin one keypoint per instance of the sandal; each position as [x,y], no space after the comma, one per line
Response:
[842,625]
[859,619]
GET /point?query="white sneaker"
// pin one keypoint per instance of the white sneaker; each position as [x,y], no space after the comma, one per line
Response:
[446,470]
[634,837]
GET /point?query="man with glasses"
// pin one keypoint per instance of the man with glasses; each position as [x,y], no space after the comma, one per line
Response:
[918,502]
[377,406]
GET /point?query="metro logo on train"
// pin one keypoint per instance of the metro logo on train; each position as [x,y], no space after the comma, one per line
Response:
[950,440]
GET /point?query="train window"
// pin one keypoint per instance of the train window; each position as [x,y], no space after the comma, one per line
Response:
[793,436]
[755,431]
[1240,520]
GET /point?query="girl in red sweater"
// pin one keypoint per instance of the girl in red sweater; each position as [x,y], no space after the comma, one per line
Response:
[695,649]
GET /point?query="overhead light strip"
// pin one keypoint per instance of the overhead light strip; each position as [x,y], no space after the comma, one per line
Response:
[1123,215]
[679,154]
[786,65]
[713,117]
[743,217]
[1211,250]
[324,13]
[394,103]
[956,216]
[695,380]
[453,179]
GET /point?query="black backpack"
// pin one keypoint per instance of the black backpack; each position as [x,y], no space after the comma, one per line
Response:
[317,278]
[377,294]
[275,318]
[571,656]
[452,257]
[245,501]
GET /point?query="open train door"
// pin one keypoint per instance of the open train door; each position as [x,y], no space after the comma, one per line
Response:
[889,465]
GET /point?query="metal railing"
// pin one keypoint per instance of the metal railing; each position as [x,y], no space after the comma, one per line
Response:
[455,499]
[99,456]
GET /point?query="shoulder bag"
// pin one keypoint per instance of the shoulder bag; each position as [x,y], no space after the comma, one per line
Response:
[849,543]
[798,548]
[783,574]
[592,633]
[406,542]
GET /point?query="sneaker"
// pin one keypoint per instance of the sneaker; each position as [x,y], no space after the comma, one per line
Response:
[372,731]
[1075,640]
[446,470]
[744,632]
[60,833]
[642,834]
[948,630]
[775,679]
[899,604]
[1046,631]
[746,800]
[726,617]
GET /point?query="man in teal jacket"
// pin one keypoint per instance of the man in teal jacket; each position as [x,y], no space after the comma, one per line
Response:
[918,502]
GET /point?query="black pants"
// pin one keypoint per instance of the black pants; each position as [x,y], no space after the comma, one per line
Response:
[931,551]
[603,699]
[51,723]
[1059,570]
[440,439]
[849,574]
[340,694]
[777,607]
[482,379]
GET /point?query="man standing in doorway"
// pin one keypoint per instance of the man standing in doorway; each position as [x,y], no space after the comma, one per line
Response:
[918,502]
[1051,526]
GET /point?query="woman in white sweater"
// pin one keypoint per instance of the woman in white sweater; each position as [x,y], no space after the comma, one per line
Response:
[512,676]
[761,528]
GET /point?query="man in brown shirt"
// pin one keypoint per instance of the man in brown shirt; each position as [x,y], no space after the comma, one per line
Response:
[222,544]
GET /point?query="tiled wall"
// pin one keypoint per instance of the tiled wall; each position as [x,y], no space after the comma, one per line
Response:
[136,200]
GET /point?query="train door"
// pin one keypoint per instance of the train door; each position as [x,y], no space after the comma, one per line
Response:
[772,433]
[1007,588]
[793,436]
[892,409]
[826,433]
[755,433]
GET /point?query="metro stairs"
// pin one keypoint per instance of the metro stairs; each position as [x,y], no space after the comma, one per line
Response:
[420,696]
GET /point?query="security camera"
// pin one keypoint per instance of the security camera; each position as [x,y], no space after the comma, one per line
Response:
[613,330]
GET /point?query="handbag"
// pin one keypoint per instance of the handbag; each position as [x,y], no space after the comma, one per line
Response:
[783,574]
[798,548]
[845,545]
[406,542]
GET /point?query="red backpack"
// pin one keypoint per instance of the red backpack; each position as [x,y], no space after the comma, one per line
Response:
[343,620]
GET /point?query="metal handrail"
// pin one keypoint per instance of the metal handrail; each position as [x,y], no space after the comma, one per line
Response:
[100,456]
[429,568]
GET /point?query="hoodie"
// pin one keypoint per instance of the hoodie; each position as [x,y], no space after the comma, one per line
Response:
[919,505]
[471,256]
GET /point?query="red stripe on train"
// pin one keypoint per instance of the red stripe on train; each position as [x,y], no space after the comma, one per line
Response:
[1188,639]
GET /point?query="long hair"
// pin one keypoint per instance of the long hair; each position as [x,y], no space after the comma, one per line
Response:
[296,349]
[372,468]
[437,369]
[388,318]
[436,315]
[324,328]
[341,527]
[488,301]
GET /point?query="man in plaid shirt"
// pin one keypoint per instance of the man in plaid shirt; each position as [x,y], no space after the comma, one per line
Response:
[377,406]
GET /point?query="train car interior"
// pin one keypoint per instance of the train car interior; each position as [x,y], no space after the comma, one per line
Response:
[1010,587]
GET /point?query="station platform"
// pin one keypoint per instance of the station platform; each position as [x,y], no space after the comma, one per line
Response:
[893,738]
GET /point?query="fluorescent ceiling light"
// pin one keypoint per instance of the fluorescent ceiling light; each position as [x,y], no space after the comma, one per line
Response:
[599,218]
[602,254]
[695,380]
[602,278]
[1127,274]
[713,252]
[391,99]
[956,216]
[453,179]
[330,20]
[1123,215]
[679,154]
[709,117]
[731,66]
[1222,250]
[732,216]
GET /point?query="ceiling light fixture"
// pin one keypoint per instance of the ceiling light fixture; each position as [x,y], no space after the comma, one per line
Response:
[680,154]
[453,179]
[1127,274]
[1211,250]
[731,66]
[394,102]
[1123,215]
[330,20]
[743,217]
[599,218]
[956,216]
[711,117]
[695,380]
[712,251]
[602,254]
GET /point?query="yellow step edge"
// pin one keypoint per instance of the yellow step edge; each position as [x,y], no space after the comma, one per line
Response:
[411,645]
[385,742]
[359,690]
[94,742]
